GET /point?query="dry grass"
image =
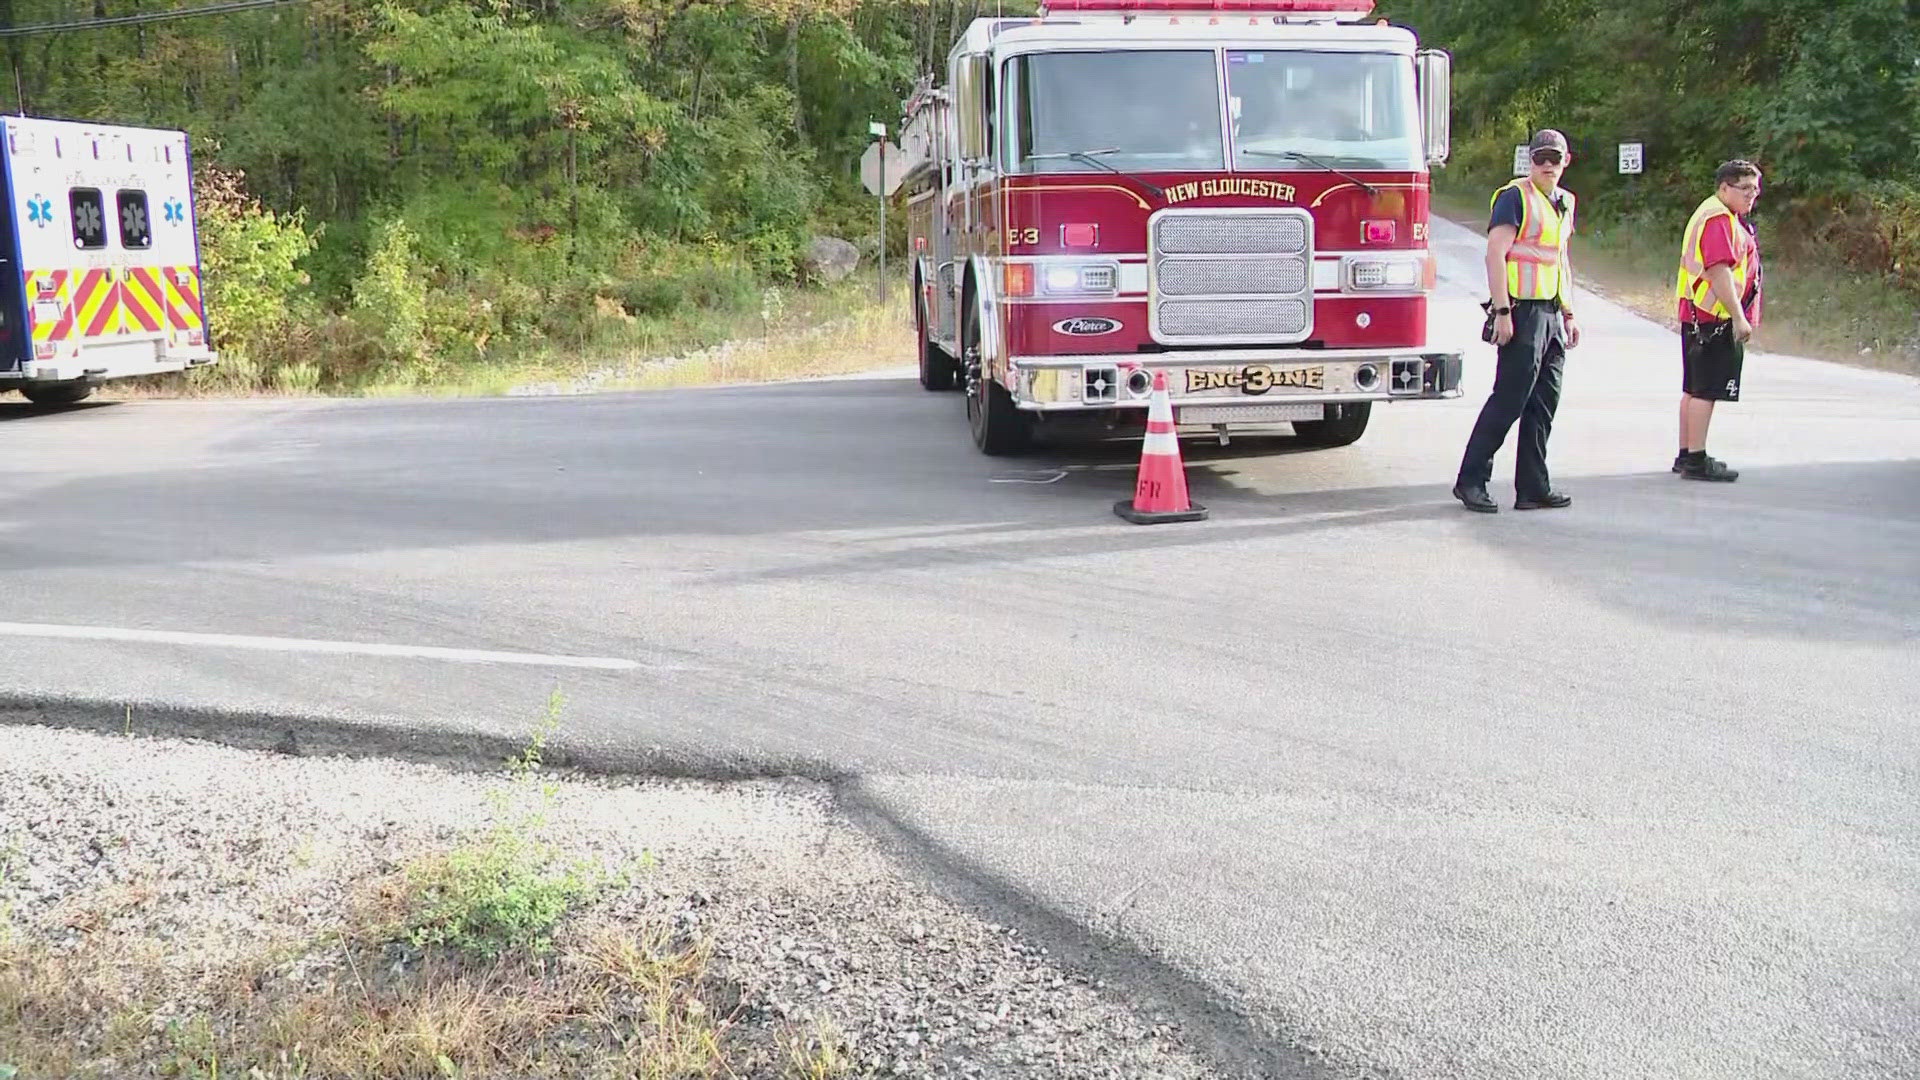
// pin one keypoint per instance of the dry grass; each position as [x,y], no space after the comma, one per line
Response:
[872,337]
[811,333]
[841,331]
[612,999]
[495,957]
[1812,309]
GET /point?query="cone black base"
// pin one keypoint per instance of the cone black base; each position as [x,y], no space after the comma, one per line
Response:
[1194,512]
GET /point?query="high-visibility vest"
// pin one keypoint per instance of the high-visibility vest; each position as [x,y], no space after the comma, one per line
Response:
[1540,247]
[1692,283]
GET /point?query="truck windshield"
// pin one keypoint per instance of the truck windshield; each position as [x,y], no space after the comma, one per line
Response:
[1345,110]
[1140,110]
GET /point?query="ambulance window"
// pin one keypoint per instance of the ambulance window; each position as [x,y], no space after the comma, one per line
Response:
[89,218]
[136,229]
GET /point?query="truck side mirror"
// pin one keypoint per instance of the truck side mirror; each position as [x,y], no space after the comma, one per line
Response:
[1433,74]
[975,71]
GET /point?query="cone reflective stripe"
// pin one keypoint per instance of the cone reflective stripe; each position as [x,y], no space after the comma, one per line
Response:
[1160,494]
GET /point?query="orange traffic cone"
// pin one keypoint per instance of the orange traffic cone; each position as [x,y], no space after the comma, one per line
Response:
[1161,494]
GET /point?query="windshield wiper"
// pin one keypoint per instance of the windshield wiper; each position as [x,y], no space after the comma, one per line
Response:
[1295,155]
[1092,157]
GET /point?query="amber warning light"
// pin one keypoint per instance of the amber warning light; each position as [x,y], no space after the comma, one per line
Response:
[1246,7]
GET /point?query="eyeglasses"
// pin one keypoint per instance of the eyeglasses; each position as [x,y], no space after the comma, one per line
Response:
[1748,189]
[1546,157]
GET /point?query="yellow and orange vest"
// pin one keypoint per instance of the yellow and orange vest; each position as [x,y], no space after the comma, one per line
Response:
[1692,283]
[1540,248]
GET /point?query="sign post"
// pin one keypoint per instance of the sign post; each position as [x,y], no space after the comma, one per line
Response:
[879,131]
[1633,161]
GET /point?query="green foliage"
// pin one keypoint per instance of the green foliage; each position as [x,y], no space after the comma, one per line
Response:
[660,276]
[437,184]
[1825,98]
[251,258]
[390,299]
[505,892]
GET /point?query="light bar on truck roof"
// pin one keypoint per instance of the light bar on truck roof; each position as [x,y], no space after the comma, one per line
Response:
[1351,9]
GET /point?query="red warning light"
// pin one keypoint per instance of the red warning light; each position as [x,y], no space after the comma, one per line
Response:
[1265,7]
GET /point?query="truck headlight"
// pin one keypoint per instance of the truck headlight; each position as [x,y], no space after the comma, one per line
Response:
[1078,279]
[1396,274]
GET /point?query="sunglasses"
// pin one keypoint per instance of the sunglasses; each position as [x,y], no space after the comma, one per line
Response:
[1546,157]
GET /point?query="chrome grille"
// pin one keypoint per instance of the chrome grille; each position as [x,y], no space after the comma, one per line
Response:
[1213,277]
[1280,319]
[1202,233]
[1231,276]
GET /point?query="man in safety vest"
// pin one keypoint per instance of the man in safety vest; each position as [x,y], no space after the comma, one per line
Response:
[1530,281]
[1719,294]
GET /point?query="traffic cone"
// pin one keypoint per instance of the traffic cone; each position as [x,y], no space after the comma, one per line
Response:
[1161,493]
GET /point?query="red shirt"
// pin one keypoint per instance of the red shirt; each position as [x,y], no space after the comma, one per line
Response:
[1716,243]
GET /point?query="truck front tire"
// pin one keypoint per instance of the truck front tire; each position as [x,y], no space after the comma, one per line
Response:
[57,393]
[1342,429]
[938,372]
[999,429]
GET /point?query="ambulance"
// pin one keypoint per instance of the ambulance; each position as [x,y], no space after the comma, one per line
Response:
[103,278]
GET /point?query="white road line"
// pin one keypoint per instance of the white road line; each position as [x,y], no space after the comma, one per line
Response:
[1031,478]
[304,645]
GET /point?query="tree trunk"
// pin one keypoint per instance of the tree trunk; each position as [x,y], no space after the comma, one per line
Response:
[573,196]
[16,52]
[933,26]
[793,81]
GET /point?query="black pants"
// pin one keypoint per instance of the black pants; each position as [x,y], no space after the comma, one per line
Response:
[1526,387]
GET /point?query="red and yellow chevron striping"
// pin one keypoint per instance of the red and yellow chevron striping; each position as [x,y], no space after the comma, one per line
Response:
[143,299]
[72,305]
[96,303]
[49,307]
[183,298]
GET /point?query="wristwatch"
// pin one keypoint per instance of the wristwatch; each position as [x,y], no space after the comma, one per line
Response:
[1503,311]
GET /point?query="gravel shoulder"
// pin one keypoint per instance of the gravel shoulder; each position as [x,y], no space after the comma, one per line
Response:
[179,892]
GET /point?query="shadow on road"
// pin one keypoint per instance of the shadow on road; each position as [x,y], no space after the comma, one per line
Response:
[19,409]
[855,463]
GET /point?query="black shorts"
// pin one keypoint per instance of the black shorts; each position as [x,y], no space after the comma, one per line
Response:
[1710,361]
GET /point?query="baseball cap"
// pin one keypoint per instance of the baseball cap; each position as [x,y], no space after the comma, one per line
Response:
[1548,139]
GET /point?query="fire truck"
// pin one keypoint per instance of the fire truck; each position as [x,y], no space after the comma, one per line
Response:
[1230,192]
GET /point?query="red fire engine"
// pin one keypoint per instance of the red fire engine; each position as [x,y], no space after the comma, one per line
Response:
[1231,191]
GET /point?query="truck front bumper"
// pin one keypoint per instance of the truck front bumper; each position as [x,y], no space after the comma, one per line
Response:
[1235,385]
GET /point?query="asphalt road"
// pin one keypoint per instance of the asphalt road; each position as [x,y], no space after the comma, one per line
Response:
[1629,789]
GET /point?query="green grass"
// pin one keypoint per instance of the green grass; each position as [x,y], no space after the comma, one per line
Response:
[1812,307]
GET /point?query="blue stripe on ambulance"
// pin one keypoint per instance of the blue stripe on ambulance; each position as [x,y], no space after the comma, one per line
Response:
[14,303]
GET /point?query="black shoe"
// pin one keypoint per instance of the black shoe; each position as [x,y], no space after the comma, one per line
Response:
[1699,466]
[1475,498]
[1680,461]
[1552,500]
